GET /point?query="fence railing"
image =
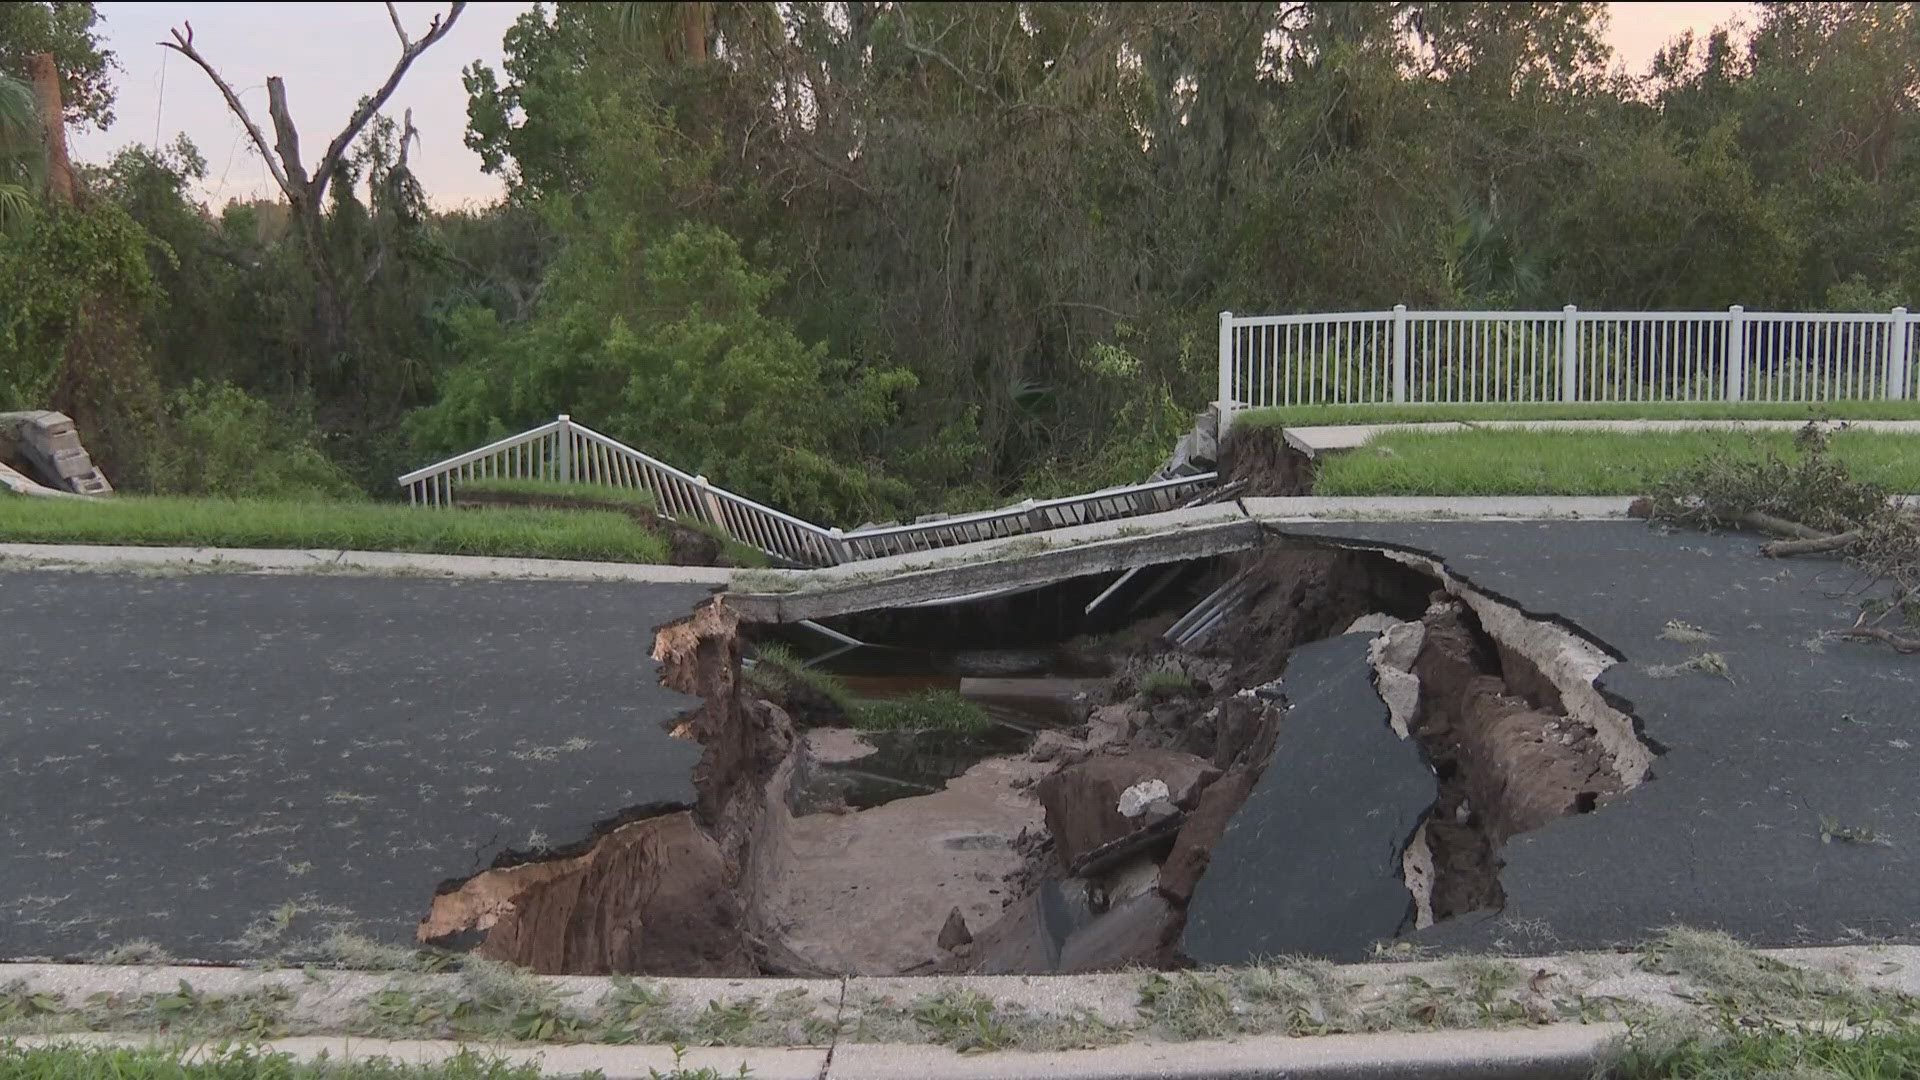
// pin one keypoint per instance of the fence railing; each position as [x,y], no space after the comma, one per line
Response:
[564,451]
[1431,357]
[570,453]
[1031,517]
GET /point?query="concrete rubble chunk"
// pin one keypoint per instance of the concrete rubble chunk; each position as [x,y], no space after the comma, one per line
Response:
[1135,800]
[1205,449]
[49,443]
[1312,862]
[954,932]
[1083,802]
[1376,623]
[1392,655]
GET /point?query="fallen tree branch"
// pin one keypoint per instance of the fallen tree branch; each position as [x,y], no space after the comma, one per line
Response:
[1776,549]
[1899,644]
[1780,526]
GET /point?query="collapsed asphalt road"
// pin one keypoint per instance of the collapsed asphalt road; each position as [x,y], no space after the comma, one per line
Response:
[1778,809]
[235,766]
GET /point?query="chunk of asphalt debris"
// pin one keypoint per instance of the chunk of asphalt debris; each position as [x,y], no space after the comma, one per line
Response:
[1311,864]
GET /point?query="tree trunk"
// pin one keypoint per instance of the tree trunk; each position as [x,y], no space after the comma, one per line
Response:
[45,78]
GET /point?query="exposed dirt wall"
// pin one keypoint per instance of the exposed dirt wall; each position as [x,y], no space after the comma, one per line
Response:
[1310,593]
[679,892]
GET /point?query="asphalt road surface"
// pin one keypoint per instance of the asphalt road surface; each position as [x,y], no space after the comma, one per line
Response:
[236,766]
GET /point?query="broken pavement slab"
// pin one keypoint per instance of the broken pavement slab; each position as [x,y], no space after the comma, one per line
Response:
[268,757]
[1311,863]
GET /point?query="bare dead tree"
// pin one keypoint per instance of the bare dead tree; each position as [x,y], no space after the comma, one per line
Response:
[306,191]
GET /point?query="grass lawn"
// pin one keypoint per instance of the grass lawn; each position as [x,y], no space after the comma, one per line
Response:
[603,493]
[584,496]
[1314,415]
[1521,462]
[1882,1051]
[155,521]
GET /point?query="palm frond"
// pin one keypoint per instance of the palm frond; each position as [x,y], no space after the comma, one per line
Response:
[19,123]
[17,207]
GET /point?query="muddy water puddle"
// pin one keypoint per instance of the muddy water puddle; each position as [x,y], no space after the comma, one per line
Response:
[1023,692]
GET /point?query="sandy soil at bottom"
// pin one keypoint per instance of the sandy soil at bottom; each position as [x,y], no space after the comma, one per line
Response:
[866,893]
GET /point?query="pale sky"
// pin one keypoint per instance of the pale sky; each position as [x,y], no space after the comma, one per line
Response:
[333,54]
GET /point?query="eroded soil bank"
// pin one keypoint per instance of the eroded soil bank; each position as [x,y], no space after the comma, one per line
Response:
[676,890]
[1087,849]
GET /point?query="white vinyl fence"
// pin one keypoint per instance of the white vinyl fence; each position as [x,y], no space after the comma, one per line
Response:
[567,452]
[1432,357]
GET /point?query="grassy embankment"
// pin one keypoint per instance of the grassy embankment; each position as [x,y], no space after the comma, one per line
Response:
[1526,462]
[154,521]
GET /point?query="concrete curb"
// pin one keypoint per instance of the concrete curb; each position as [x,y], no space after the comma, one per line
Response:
[1535,1054]
[1551,1052]
[327,1000]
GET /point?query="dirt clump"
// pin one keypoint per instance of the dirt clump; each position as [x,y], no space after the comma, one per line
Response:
[1262,458]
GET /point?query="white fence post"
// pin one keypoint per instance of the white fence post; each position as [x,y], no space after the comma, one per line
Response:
[563,456]
[1899,354]
[1736,353]
[1399,353]
[1225,401]
[1570,353]
[710,503]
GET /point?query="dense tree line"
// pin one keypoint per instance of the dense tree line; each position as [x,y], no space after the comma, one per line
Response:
[859,259]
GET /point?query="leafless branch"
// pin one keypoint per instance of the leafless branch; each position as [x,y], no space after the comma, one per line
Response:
[182,43]
[397,28]
[283,157]
[338,147]
[287,140]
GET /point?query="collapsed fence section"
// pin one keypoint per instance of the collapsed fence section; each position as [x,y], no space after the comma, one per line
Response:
[565,452]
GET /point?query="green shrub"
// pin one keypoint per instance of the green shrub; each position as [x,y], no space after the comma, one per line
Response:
[778,670]
[1165,684]
[928,710]
[224,441]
